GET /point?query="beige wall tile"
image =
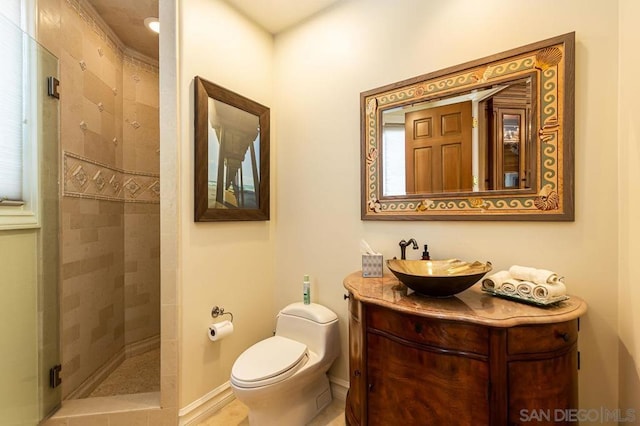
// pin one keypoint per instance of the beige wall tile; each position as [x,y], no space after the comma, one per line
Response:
[169,356]
[90,43]
[132,418]
[129,83]
[104,305]
[96,420]
[168,321]
[164,417]
[97,148]
[92,87]
[70,303]
[71,105]
[86,265]
[49,20]
[91,116]
[147,90]
[108,129]
[89,235]
[56,422]
[109,68]
[71,34]
[169,391]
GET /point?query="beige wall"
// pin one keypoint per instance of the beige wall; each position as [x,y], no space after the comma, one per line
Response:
[629,205]
[18,304]
[229,264]
[320,69]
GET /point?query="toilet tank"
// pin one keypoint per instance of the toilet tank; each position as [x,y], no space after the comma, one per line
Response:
[314,325]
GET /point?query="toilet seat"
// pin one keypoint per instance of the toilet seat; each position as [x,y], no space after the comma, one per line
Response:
[268,361]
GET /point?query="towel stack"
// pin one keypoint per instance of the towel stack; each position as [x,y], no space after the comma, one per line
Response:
[526,282]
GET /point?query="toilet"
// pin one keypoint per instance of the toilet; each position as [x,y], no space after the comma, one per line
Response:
[283,379]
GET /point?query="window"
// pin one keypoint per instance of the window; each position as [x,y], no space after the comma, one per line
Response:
[393,161]
[18,144]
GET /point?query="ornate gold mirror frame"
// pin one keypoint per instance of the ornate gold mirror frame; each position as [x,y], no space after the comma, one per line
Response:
[550,196]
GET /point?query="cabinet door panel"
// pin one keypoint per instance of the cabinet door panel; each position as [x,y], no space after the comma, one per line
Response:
[537,388]
[441,334]
[410,386]
[542,338]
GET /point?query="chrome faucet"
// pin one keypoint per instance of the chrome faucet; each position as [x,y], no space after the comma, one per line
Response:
[403,247]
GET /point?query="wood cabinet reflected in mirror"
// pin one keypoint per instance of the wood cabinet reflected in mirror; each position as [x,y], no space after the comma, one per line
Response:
[231,155]
[491,139]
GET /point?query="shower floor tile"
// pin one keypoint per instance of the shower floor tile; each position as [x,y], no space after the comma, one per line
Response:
[137,374]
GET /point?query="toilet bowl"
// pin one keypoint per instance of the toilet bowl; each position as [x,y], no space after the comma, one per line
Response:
[283,379]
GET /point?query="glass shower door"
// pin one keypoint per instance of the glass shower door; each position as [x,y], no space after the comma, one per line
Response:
[29,256]
[49,174]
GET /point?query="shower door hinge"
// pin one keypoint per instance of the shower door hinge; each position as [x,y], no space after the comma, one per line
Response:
[54,376]
[52,87]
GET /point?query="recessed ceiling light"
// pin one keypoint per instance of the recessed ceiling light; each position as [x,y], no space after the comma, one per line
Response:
[153,24]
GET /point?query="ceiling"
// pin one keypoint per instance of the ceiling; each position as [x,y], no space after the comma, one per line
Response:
[278,15]
[126,17]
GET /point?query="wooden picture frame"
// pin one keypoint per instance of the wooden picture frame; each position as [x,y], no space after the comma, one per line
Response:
[231,155]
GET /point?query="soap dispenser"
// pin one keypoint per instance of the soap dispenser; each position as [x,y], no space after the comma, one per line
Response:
[425,253]
[306,290]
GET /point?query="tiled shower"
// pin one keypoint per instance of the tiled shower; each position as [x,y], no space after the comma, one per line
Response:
[110,216]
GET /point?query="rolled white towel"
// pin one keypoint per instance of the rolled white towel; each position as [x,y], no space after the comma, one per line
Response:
[534,275]
[494,282]
[525,288]
[549,291]
[510,286]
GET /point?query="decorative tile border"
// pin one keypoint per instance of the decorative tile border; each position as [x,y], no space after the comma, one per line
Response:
[85,178]
[134,59]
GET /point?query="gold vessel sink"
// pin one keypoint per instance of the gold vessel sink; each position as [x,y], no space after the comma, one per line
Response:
[438,278]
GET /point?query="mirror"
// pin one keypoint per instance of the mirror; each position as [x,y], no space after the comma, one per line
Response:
[491,139]
[231,155]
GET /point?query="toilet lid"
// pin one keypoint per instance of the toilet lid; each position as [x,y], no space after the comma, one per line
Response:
[274,358]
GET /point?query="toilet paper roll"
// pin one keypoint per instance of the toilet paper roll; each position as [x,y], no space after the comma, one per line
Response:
[220,330]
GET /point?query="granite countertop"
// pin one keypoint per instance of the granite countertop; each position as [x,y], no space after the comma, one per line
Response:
[472,305]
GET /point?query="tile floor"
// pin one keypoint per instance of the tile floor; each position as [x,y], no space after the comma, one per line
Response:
[129,395]
[236,414]
[135,381]
[137,374]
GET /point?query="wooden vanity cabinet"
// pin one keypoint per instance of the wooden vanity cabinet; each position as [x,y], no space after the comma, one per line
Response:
[419,368]
[422,372]
[542,369]
[356,409]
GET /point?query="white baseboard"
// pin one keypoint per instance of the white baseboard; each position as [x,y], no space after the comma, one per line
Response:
[339,388]
[205,406]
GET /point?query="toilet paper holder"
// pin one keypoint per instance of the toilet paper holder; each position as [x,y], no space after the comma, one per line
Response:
[217,311]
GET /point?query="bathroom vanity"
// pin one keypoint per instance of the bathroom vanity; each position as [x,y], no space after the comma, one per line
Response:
[471,359]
